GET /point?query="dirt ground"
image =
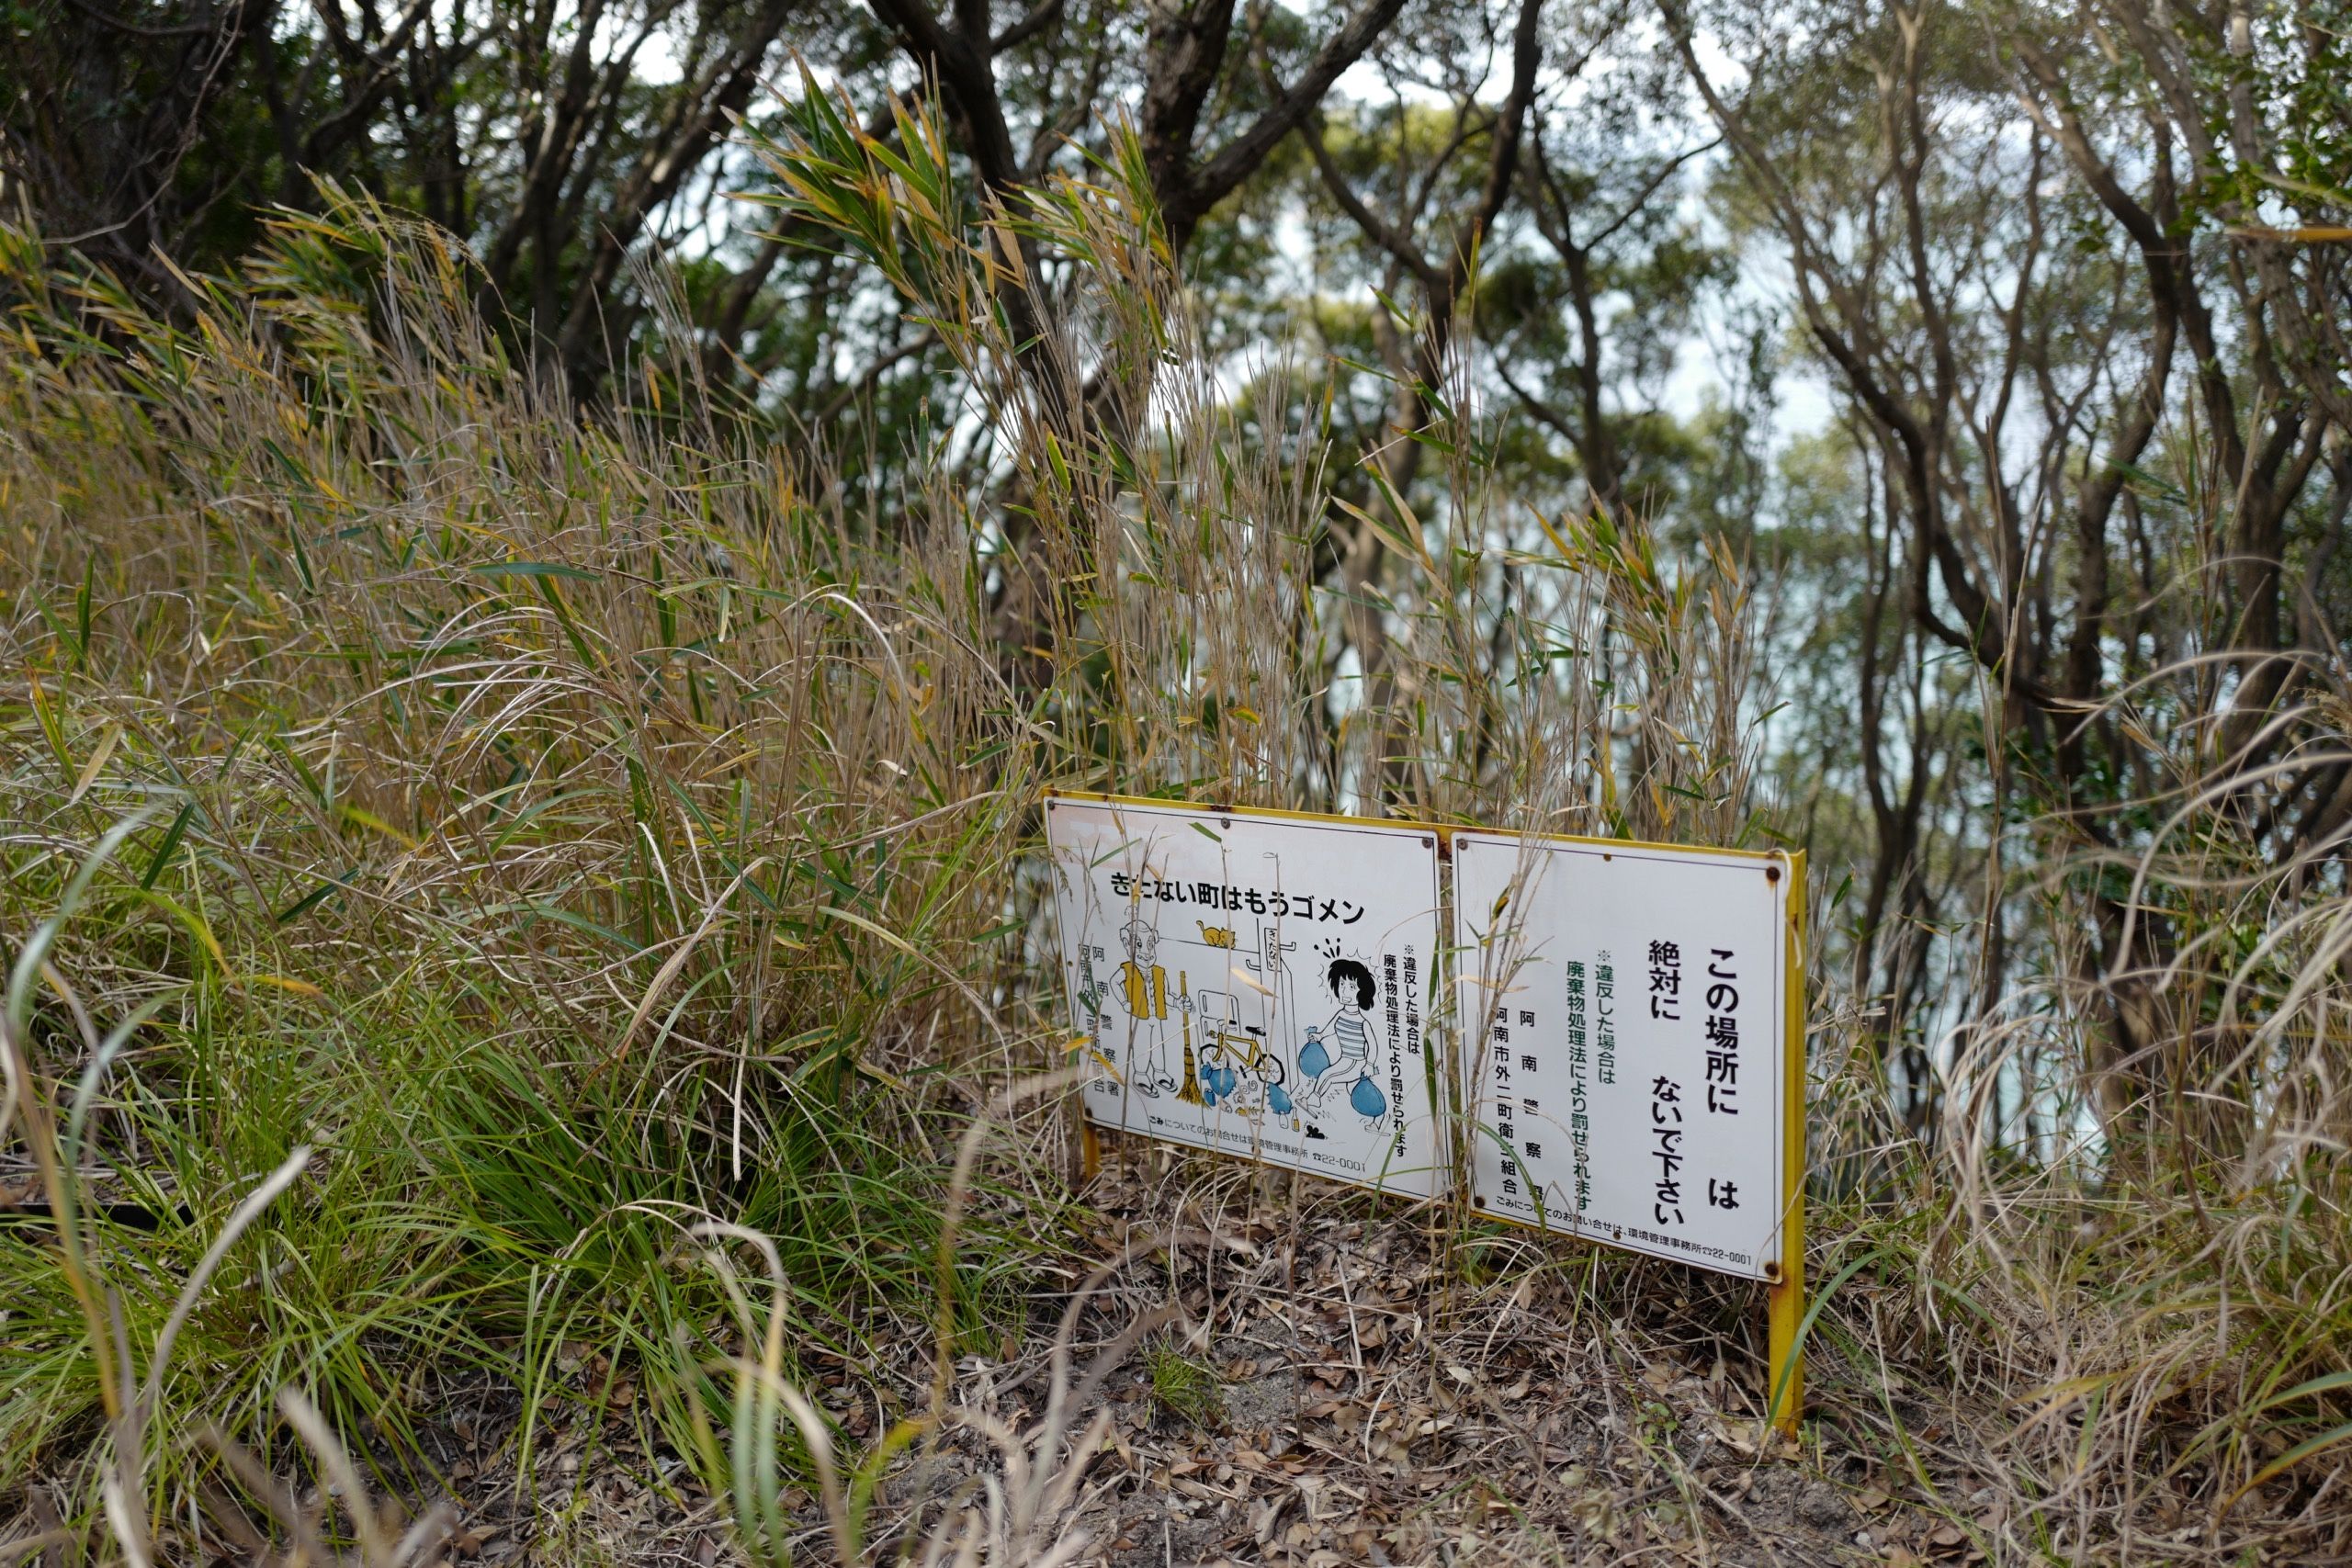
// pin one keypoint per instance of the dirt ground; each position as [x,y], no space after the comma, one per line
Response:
[1377,1409]
[1339,1401]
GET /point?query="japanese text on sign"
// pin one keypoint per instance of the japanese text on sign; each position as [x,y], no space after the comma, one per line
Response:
[1669,1113]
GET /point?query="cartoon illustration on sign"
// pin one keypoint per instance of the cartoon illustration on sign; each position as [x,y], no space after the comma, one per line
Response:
[1337,1058]
[1216,1030]
[1143,986]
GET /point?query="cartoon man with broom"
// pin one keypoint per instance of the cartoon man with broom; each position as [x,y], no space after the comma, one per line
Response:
[1143,986]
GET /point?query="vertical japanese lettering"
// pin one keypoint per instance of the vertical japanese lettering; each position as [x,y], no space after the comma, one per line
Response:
[1604,1020]
[1665,981]
[1722,1034]
[1579,1107]
[1665,1130]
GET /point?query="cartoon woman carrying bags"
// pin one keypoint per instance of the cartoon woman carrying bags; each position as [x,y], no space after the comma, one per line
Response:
[1347,1059]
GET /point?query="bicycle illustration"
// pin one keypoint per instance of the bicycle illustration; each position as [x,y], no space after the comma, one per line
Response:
[1231,1050]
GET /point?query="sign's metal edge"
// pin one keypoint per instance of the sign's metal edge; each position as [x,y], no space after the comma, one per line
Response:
[1588,840]
[1443,1176]
[1219,808]
[1445,832]
[1790,1232]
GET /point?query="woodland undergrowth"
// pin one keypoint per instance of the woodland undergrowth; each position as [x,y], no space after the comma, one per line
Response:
[486,880]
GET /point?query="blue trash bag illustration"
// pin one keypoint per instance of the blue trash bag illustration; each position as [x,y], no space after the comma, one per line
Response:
[1227,1080]
[1208,1085]
[1279,1098]
[1314,1060]
[1366,1097]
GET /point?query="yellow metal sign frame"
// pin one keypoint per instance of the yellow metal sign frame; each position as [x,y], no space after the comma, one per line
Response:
[1785,1297]
[1785,1294]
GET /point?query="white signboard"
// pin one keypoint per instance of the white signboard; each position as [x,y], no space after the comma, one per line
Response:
[1260,984]
[1623,1041]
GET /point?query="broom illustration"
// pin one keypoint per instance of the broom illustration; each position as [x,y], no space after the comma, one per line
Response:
[1189,1094]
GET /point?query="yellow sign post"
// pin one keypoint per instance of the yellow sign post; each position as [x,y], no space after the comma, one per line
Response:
[1631,1062]
[1784,1298]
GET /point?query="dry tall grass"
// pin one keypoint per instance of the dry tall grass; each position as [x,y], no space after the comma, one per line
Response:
[580,830]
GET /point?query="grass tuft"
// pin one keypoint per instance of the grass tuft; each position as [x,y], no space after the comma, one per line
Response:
[1186,1387]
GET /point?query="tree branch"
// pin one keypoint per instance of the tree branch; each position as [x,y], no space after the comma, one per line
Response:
[1239,158]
